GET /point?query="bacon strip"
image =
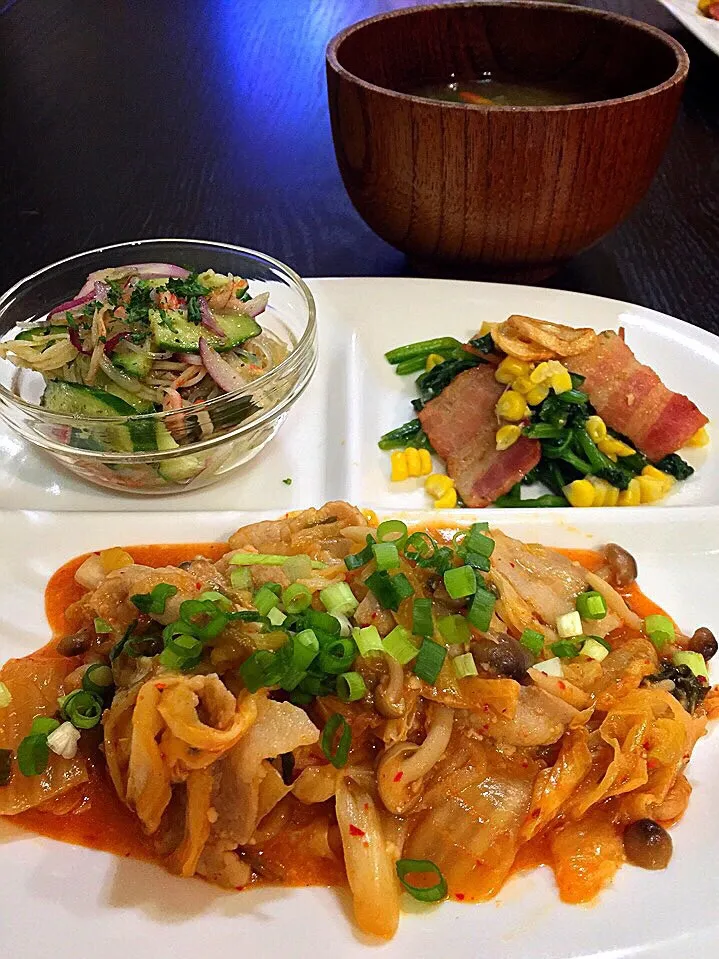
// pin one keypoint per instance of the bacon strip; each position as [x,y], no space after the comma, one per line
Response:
[632,399]
[461,426]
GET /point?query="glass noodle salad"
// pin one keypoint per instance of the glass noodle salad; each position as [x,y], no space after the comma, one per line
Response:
[147,337]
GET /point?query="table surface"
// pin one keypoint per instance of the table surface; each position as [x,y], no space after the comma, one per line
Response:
[123,119]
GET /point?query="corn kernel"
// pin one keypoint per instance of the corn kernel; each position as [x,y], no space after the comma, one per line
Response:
[434,359]
[632,495]
[399,466]
[580,493]
[600,492]
[612,497]
[511,406]
[425,463]
[486,328]
[561,382]
[510,368]
[370,516]
[700,438]
[613,447]
[545,371]
[412,457]
[437,485]
[597,428]
[650,490]
[448,501]
[665,479]
[522,385]
[537,394]
[115,558]
[507,436]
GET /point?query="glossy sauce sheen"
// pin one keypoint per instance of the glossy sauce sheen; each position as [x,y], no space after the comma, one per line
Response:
[93,816]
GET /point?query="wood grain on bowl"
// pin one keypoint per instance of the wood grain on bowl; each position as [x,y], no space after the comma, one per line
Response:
[512,191]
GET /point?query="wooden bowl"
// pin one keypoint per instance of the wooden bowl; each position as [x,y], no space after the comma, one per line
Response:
[509,192]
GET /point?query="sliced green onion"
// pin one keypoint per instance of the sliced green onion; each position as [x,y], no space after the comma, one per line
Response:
[389,590]
[276,588]
[345,625]
[338,754]
[386,555]
[660,629]
[454,629]
[482,609]
[137,646]
[266,559]
[338,598]
[434,893]
[356,560]
[336,657]
[569,624]
[261,669]
[533,641]
[591,605]
[296,598]
[264,600]
[398,644]
[43,726]
[154,602]
[276,616]
[6,766]
[241,578]
[219,599]
[368,640]
[97,679]
[420,547]
[315,619]
[182,652]
[594,649]
[392,531]
[476,561]
[306,646]
[695,662]
[5,696]
[430,660]
[422,624]
[33,754]
[350,687]
[245,616]
[465,665]
[82,709]
[476,542]
[460,582]
[565,648]
[102,626]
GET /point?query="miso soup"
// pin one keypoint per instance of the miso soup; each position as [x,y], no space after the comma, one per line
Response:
[490,91]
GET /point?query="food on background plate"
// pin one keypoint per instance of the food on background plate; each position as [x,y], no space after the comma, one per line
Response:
[329,700]
[147,338]
[529,401]
[709,8]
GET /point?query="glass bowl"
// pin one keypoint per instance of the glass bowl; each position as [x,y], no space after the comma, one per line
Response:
[204,441]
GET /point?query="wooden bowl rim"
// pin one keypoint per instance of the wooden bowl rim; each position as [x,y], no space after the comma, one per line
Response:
[679,75]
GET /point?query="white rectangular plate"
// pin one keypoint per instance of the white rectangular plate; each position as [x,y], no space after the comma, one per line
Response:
[63,901]
[328,444]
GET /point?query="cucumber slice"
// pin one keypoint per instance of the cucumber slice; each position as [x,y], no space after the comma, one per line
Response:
[181,469]
[172,330]
[134,364]
[73,399]
[36,331]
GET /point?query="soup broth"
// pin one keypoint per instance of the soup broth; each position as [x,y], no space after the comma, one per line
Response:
[489,91]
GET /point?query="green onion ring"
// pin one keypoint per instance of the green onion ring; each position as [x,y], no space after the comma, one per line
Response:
[435,893]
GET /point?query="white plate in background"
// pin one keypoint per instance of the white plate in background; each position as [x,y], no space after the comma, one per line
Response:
[64,901]
[328,444]
[703,28]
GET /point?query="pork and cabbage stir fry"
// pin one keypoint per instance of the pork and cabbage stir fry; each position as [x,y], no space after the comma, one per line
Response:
[337,701]
[145,338]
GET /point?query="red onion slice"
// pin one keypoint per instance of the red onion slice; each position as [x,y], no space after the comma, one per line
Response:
[190,358]
[220,371]
[114,340]
[77,342]
[147,271]
[208,319]
[256,305]
[70,305]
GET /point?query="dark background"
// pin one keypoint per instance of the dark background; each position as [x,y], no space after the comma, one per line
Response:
[123,119]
